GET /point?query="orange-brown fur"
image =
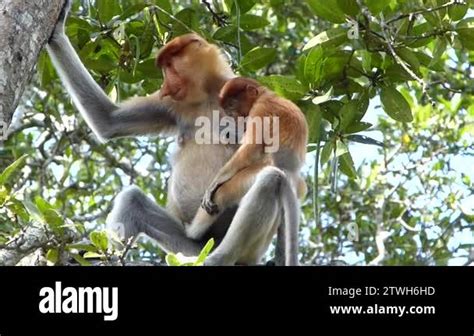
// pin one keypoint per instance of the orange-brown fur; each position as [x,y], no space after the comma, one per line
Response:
[246,97]
[194,72]
[183,80]
[254,100]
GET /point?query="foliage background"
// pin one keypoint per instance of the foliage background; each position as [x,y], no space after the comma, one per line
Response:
[386,87]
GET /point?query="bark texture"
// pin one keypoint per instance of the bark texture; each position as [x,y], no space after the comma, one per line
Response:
[25,27]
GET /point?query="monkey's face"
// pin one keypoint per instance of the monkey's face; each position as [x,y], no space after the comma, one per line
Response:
[238,96]
[176,60]
[174,85]
[237,106]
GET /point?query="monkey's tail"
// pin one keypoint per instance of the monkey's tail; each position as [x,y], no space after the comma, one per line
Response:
[291,218]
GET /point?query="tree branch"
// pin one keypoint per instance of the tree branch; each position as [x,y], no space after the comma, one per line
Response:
[219,19]
[25,26]
[426,10]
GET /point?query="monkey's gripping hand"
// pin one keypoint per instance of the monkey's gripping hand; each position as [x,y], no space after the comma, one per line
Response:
[208,203]
[59,29]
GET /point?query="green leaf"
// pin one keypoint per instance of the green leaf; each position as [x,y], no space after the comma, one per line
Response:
[107,9]
[434,17]
[132,10]
[45,69]
[409,57]
[103,64]
[50,215]
[423,113]
[180,260]
[470,110]
[205,252]
[244,6]
[327,151]
[466,180]
[357,126]
[364,140]
[395,73]
[312,65]
[15,166]
[92,255]
[99,239]
[33,210]
[88,49]
[17,207]
[439,49]
[418,31]
[189,17]
[331,110]
[172,260]
[468,130]
[257,58]
[251,22]
[162,18]
[341,148]
[149,69]
[54,220]
[335,64]
[52,256]
[346,165]
[395,105]
[285,86]
[314,118]
[165,5]
[75,23]
[366,61]
[330,38]
[376,6]
[349,7]
[80,259]
[82,247]
[348,114]
[300,68]
[456,12]
[328,10]
[225,34]
[363,101]
[465,30]
[324,98]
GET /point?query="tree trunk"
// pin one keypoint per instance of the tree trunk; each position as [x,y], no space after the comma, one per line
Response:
[25,27]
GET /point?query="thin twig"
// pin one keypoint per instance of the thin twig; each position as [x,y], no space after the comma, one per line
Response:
[402,63]
[316,187]
[219,19]
[426,10]
[238,31]
[128,247]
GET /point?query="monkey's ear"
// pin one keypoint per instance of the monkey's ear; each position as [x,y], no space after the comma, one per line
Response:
[252,90]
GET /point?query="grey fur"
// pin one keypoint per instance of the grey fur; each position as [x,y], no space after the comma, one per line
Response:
[243,238]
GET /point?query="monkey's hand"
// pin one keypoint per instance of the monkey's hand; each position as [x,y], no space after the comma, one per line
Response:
[208,203]
[59,29]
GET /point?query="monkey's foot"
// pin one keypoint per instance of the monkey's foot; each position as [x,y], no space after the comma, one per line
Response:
[208,204]
[65,10]
[59,28]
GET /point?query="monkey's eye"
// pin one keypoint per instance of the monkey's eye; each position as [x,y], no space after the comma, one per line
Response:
[233,103]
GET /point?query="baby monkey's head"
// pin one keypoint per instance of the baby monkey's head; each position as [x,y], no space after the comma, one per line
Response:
[238,95]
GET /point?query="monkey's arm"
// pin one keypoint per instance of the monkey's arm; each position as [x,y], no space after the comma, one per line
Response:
[247,155]
[140,116]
